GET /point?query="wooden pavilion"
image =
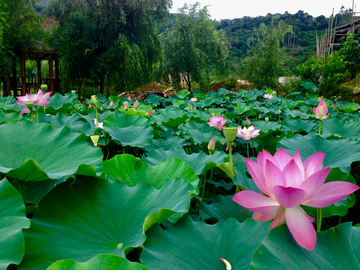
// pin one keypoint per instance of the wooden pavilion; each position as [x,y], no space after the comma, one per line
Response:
[38,51]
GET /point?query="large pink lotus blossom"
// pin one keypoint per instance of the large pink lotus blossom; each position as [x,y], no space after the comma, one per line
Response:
[248,133]
[288,183]
[40,99]
[217,121]
[193,99]
[269,96]
[321,111]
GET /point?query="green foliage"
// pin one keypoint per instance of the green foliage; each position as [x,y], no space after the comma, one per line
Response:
[350,49]
[194,48]
[109,41]
[327,74]
[265,63]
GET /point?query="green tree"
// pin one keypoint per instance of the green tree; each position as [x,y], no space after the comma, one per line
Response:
[265,62]
[109,40]
[194,48]
[20,24]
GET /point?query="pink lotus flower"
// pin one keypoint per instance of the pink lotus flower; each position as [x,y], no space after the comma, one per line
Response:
[269,96]
[288,182]
[129,98]
[194,99]
[217,121]
[150,112]
[112,103]
[211,145]
[321,111]
[248,133]
[164,95]
[274,92]
[38,99]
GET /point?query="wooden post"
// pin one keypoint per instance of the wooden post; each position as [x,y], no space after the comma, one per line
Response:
[51,74]
[23,74]
[38,64]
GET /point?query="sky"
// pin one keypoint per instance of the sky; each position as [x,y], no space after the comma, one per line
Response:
[231,9]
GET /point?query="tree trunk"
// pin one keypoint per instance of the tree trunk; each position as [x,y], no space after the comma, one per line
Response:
[188,81]
[102,84]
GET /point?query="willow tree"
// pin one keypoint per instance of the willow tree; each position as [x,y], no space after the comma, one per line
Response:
[265,61]
[194,48]
[109,40]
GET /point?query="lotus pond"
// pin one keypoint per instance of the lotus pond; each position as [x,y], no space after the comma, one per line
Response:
[159,184]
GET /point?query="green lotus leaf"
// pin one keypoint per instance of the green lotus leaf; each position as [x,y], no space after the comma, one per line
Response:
[40,152]
[336,248]
[102,261]
[340,128]
[13,108]
[197,245]
[222,208]
[118,119]
[132,170]
[350,107]
[60,103]
[203,133]
[8,117]
[135,136]
[166,144]
[73,122]
[179,103]
[183,94]
[298,125]
[298,114]
[97,217]
[290,104]
[266,127]
[12,220]
[337,151]
[200,162]
[92,115]
[341,207]
[170,117]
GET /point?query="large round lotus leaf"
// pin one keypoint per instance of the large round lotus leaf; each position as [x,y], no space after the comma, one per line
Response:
[37,152]
[132,170]
[135,136]
[102,261]
[200,162]
[60,103]
[341,207]
[98,216]
[222,208]
[118,119]
[92,115]
[8,117]
[12,220]
[337,152]
[73,122]
[183,94]
[298,125]
[336,248]
[298,114]
[170,117]
[202,133]
[266,127]
[166,144]
[197,245]
[341,128]
[13,107]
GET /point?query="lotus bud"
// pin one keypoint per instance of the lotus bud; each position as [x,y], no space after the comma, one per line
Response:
[29,104]
[248,123]
[319,99]
[112,103]
[136,104]
[129,98]
[227,264]
[95,139]
[44,87]
[126,105]
[165,95]
[211,145]
[230,133]
[267,119]
[93,100]
[332,105]
[150,112]
[259,116]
